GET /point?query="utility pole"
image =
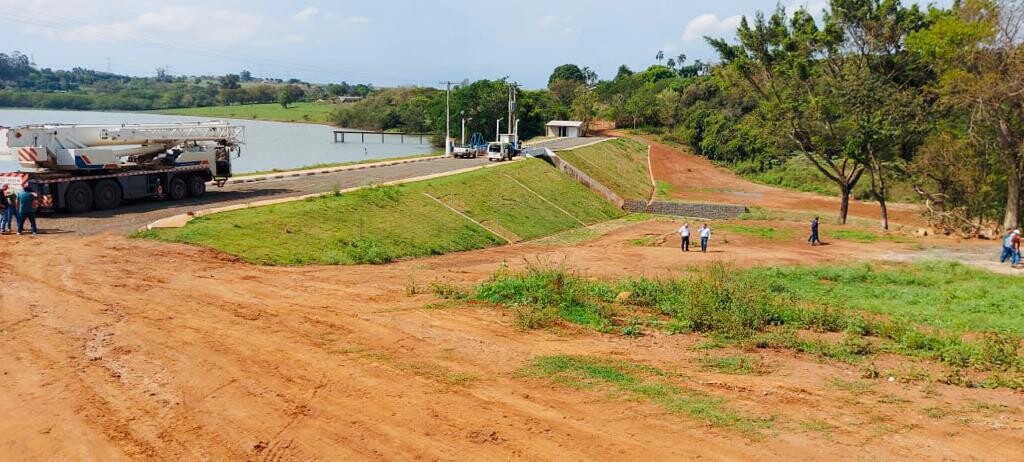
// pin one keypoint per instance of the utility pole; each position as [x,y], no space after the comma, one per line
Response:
[448,118]
[513,108]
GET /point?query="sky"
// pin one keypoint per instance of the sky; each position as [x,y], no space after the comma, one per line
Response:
[383,42]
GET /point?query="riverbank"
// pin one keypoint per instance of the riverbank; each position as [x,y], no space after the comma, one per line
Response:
[315,113]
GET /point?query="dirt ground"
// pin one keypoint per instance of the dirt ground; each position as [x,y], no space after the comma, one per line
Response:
[121,349]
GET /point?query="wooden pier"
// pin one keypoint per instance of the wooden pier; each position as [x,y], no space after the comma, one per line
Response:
[342,136]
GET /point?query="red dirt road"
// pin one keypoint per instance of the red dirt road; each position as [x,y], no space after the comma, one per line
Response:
[694,178]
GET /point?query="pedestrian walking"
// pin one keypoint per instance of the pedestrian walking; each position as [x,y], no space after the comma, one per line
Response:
[814,240]
[1008,250]
[26,210]
[684,234]
[705,236]
[1015,246]
[6,210]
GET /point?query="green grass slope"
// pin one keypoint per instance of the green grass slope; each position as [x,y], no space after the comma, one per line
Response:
[379,225]
[296,112]
[619,164]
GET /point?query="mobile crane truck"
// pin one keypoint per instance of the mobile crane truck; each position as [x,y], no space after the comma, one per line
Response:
[77,168]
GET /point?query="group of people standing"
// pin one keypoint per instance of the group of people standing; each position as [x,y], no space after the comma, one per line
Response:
[705,235]
[20,206]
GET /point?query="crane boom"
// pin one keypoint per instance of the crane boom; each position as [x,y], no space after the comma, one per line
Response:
[82,147]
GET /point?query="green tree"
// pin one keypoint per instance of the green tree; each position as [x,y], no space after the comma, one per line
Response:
[845,96]
[623,72]
[978,50]
[570,72]
[584,108]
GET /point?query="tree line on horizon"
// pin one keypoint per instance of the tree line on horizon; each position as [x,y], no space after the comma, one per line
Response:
[24,85]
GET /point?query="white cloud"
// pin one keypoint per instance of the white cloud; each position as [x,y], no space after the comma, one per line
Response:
[547,21]
[710,25]
[359,19]
[307,13]
[233,27]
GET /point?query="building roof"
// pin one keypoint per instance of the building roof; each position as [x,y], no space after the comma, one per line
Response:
[565,123]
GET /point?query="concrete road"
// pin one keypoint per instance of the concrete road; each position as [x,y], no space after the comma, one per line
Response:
[136,214]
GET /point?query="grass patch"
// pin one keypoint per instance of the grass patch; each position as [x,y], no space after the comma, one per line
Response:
[862,236]
[735,365]
[336,164]
[643,382]
[762,232]
[664,189]
[379,225]
[947,312]
[620,164]
[296,112]
[944,295]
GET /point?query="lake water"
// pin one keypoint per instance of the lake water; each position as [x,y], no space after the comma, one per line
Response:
[268,145]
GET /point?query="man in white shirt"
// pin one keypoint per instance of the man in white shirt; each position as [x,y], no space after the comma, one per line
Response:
[705,236]
[684,233]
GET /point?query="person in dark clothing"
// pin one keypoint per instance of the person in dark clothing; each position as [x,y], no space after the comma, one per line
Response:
[26,210]
[6,210]
[814,240]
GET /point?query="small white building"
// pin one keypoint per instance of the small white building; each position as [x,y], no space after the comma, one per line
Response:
[565,128]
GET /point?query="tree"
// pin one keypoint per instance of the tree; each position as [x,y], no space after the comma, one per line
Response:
[569,72]
[778,62]
[660,56]
[881,84]
[979,50]
[589,76]
[564,90]
[584,108]
[846,96]
[623,72]
[245,76]
[229,82]
[671,63]
[288,95]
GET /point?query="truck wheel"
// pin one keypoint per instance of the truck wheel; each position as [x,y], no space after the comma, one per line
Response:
[177,190]
[106,195]
[196,186]
[78,197]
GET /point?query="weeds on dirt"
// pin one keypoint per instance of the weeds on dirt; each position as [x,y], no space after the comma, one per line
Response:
[779,308]
[735,365]
[448,291]
[644,382]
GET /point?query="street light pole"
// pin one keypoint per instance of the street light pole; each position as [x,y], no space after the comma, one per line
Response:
[497,130]
[448,119]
